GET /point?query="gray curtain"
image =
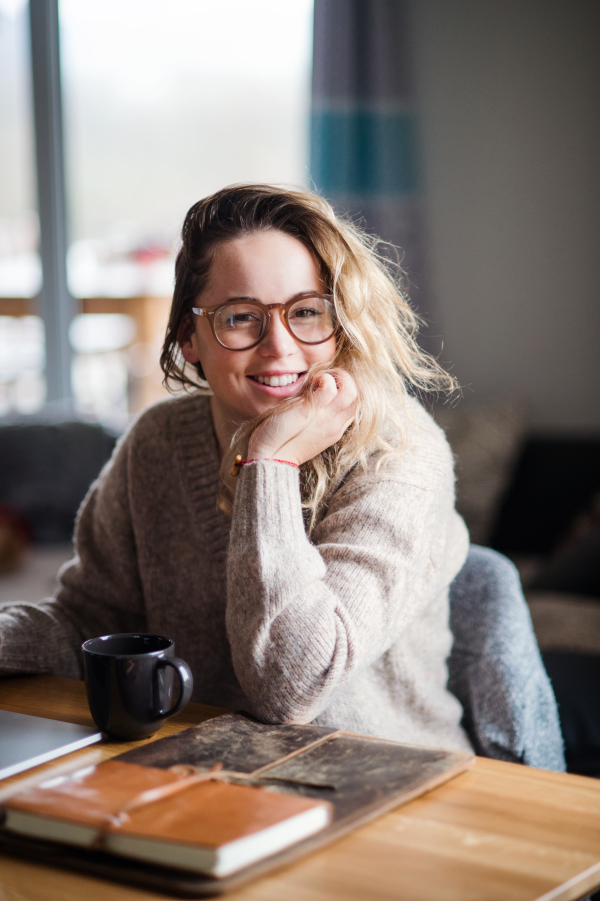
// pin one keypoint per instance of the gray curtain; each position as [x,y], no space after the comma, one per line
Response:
[364,155]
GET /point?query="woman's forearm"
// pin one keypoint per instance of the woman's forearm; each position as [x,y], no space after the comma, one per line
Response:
[302,619]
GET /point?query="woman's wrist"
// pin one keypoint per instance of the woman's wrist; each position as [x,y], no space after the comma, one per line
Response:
[238,463]
[258,452]
[272,459]
[269,460]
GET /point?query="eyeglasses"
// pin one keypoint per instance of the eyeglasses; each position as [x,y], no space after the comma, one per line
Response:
[242,324]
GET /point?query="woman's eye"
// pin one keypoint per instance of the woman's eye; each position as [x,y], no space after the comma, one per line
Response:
[240,319]
[306,313]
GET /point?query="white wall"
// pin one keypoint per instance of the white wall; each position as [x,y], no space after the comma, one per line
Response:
[509,99]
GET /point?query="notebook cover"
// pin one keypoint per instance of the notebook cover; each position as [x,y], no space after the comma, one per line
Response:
[89,797]
[361,777]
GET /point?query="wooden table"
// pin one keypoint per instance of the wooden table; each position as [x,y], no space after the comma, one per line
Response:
[499,832]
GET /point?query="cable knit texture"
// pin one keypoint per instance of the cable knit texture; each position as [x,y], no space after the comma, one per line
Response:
[348,629]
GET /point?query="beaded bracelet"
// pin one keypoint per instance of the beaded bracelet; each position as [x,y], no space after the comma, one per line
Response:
[238,463]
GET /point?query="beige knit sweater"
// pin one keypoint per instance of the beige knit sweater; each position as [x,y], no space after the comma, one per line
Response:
[349,629]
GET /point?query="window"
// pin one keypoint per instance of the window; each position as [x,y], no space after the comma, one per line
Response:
[163,103]
[166,102]
[20,274]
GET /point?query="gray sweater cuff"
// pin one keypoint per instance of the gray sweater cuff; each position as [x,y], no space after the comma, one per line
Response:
[23,651]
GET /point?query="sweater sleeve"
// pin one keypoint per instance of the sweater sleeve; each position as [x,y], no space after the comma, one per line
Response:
[99,591]
[303,619]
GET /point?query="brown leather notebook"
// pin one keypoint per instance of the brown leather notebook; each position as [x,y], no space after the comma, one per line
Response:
[360,778]
[206,825]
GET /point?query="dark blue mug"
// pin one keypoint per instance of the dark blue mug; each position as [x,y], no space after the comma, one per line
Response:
[129,679]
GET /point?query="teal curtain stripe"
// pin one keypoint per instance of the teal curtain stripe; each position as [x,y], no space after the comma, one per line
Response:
[364,152]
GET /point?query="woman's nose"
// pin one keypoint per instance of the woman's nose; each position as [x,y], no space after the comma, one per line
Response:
[277,341]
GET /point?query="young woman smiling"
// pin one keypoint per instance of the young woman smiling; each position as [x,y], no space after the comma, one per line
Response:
[289,520]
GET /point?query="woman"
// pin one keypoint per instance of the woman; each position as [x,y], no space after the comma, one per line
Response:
[309,581]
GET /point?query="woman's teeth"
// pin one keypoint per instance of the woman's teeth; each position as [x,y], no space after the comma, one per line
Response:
[276,381]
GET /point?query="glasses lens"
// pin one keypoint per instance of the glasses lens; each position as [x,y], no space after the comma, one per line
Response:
[312,319]
[239,325]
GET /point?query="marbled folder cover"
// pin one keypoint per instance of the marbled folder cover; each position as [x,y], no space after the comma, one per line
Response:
[364,773]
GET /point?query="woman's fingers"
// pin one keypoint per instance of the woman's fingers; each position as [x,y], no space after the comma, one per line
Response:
[336,397]
[326,390]
[336,385]
[337,390]
[348,392]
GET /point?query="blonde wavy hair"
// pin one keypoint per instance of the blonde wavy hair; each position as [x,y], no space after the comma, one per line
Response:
[376,327]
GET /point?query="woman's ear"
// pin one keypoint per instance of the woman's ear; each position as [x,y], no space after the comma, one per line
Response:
[184,337]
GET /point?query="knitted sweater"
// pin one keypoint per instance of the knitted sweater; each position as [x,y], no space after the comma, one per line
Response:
[348,629]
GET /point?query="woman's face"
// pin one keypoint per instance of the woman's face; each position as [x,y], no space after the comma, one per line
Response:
[271,267]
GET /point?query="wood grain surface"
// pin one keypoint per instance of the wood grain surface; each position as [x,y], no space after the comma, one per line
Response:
[499,832]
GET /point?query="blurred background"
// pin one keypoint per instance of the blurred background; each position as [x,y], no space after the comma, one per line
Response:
[161,105]
[464,133]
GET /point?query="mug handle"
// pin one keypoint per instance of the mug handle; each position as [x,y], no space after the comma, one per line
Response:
[186,681]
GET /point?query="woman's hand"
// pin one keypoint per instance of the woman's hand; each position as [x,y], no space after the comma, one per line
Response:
[299,434]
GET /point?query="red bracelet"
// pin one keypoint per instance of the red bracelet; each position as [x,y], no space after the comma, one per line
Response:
[238,463]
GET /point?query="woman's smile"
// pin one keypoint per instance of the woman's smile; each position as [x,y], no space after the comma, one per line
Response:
[277,383]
